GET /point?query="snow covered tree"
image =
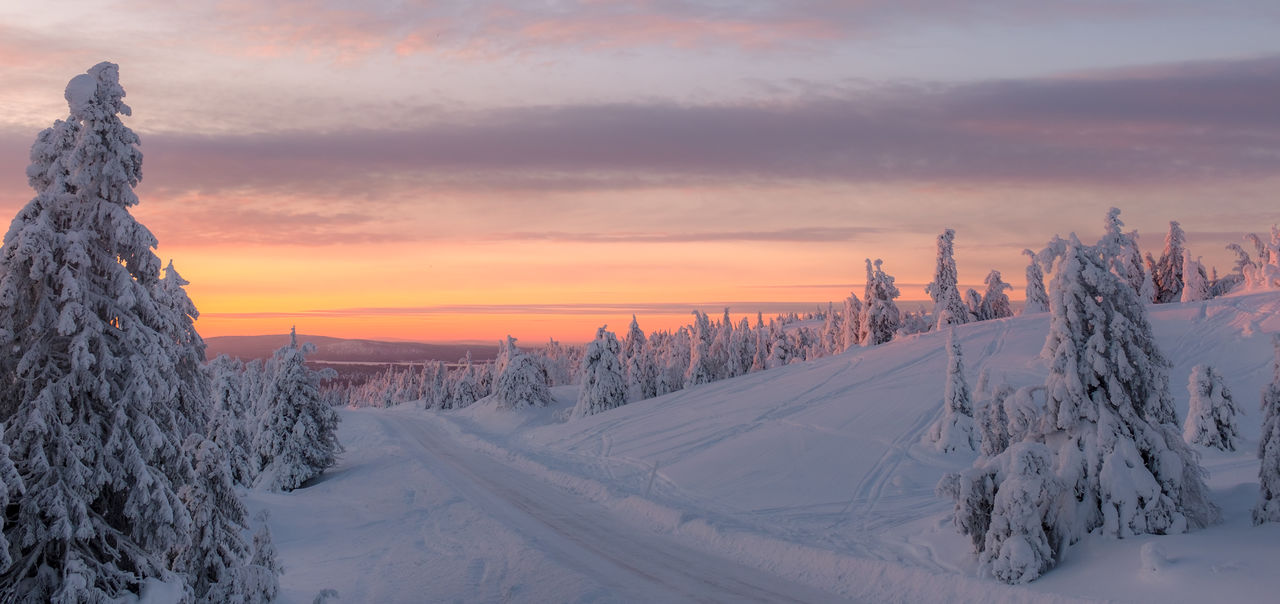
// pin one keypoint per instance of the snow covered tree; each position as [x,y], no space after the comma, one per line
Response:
[701,368]
[602,386]
[218,558]
[742,348]
[88,382]
[10,488]
[1119,446]
[948,306]
[955,430]
[1268,507]
[1037,297]
[1167,272]
[1122,255]
[640,372]
[1009,506]
[1195,284]
[880,316]
[993,422]
[186,348]
[464,388]
[297,437]
[852,321]
[229,424]
[263,574]
[523,381]
[995,303]
[1211,415]
[781,351]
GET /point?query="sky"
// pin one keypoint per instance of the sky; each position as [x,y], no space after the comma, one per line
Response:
[460,170]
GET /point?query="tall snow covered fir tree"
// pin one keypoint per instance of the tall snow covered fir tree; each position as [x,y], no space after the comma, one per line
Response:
[602,386]
[1123,257]
[298,433]
[89,382]
[955,430]
[948,307]
[1268,507]
[1121,449]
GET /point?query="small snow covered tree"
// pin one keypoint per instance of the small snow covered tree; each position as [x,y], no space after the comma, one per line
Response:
[602,386]
[298,434]
[995,303]
[955,430]
[1268,507]
[1119,447]
[640,373]
[1167,273]
[230,418]
[1122,255]
[993,422]
[1009,507]
[523,381]
[701,368]
[263,573]
[852,321]
[880,316]
[1195,283]
[948,307]
[1037,297]
[1211,416]
[88,381]
[218,558]
[464,387]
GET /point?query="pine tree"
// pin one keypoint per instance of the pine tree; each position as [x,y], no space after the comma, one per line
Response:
[217,560]
[297,437]
[1037,297]
[1167,272]
[88,380]
[262,582]
[1268,507]
[523,381]
[1211,414]
[1123,258]
[852,321]
[701,370]
[1195,284]
[880,316]
[229,424]
[11,487]
[641,375]
[993,422]
[948,306]
[602,387]
[995,303]
[465,387]
[955,430]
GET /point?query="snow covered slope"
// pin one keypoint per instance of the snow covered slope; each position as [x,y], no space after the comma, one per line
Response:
[817,472]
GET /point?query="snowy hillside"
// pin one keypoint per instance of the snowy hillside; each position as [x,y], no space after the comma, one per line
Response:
[814,472]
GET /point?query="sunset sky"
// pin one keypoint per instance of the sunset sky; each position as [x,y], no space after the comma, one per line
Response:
[455,170]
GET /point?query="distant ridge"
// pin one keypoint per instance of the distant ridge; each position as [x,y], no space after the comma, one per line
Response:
[341,350]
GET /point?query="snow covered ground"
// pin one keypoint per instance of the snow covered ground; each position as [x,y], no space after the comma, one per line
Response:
[809,482]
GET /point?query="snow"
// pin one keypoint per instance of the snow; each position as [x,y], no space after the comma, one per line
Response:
[806,482]
[80,92]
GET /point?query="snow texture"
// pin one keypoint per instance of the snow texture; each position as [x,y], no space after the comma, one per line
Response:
[1211,412]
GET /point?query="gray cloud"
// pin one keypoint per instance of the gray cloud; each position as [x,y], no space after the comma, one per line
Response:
[796,235]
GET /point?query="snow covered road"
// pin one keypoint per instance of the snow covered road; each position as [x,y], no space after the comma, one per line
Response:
[585,537]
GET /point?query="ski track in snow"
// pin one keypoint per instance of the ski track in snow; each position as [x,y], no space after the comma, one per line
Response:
[585,537]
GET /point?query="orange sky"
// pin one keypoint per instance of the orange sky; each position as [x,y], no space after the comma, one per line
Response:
[441,171]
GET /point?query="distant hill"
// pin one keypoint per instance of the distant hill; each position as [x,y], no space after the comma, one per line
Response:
[340,350]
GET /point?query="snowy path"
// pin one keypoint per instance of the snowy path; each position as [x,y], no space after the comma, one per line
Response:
[583,536]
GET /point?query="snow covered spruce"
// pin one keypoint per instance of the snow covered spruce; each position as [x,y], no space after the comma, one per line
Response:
[105,472]
[955,430]
[1107,457]
[1211,414]
[297,435]
[1268,507]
